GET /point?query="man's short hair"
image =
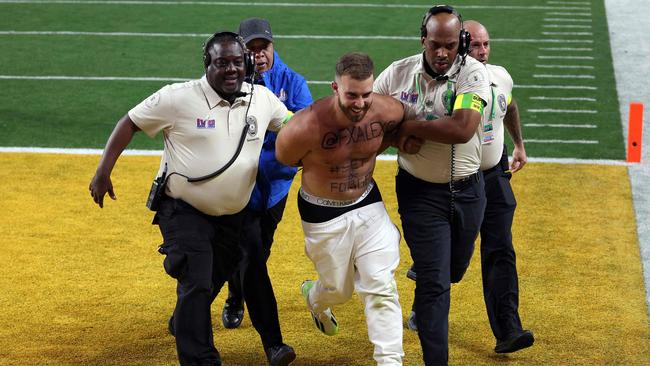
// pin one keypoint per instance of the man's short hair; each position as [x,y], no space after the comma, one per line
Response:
[356,64]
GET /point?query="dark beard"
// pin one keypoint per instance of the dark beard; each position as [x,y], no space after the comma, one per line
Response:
[351,117]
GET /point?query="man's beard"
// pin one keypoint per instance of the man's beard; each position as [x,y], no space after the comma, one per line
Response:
[348,111]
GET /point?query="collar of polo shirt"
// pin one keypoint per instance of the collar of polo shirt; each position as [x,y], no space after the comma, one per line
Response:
[214,99]
[452,73]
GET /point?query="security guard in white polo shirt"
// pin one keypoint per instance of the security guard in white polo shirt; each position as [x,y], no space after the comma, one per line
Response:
[213,131]
[440,190]
[498,259]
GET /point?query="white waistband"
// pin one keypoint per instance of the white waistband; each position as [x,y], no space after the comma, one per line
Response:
[327,202]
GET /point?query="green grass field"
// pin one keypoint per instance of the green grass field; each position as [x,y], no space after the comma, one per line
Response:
[164,41]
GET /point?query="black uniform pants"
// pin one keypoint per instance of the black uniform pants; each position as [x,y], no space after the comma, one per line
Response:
[498,262]
[257,238]
[441,246]
[202,252]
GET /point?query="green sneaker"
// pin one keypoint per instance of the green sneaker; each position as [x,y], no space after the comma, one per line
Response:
[325,321]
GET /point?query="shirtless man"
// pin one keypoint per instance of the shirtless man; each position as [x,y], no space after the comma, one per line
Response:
[348,234]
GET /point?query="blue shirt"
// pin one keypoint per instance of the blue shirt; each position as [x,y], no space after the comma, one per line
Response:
[274,178]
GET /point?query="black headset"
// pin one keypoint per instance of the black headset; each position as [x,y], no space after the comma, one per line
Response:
[464,37]
[249,57]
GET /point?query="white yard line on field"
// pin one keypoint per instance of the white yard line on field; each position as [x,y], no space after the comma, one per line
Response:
[278,4]
[554,57]
[562,76]
[278,36]
[558,125]
[566,26]
[558,141]
[567,20]
[553,110]
[177,79]
[46,150]
[574,87]
[577,99]
[564,67]
[567,33]
[569,14]
[577,49]
[568,3]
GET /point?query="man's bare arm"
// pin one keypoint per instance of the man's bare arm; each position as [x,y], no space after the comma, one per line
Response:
[513,125]
[117,142]
[292,144]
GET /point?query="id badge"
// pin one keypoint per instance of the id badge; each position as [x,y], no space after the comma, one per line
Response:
[488,133]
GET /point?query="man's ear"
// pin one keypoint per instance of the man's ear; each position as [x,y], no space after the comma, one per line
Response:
[335,87]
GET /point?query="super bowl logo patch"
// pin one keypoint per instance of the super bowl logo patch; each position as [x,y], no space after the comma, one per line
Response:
[251,121]
[205,123]
[501,99]
[408,97]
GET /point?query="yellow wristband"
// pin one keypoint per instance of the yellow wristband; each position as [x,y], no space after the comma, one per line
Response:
[287,118]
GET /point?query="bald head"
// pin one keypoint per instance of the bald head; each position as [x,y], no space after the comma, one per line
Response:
[442,22]
[480,44]
[440,41]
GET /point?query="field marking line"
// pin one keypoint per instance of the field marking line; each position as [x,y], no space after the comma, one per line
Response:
[558,125]
[567,20]
[557,141]
[176,79]
[561,76]
[565,67]
[554,57]
[135,152]
[553,110]
[580,99]
[302,5]
[566,26]
[279,36]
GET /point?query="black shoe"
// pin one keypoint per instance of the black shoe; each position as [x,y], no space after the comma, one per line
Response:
[280,355]
[170,326]
[233,314]
[515,341]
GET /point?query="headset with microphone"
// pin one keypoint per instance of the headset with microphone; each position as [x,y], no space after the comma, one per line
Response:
[464,37]
[158,187]
[249,57]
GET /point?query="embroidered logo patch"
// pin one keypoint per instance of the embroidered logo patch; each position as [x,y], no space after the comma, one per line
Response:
[501,99]
[205,123]
[408,97]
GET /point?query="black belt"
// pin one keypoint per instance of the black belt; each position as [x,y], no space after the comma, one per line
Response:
[461,183]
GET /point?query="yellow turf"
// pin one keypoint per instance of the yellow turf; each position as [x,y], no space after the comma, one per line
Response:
[84,286]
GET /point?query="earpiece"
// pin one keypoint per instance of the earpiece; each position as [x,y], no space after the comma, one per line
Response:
[249,57]
[464,37]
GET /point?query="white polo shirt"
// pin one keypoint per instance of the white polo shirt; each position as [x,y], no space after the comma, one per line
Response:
[201,133]
[493,130]
[428,99]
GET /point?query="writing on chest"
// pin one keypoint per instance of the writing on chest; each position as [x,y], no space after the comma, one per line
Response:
[353,135]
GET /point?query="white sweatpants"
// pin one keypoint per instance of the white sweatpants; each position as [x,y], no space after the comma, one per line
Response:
[360,250]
